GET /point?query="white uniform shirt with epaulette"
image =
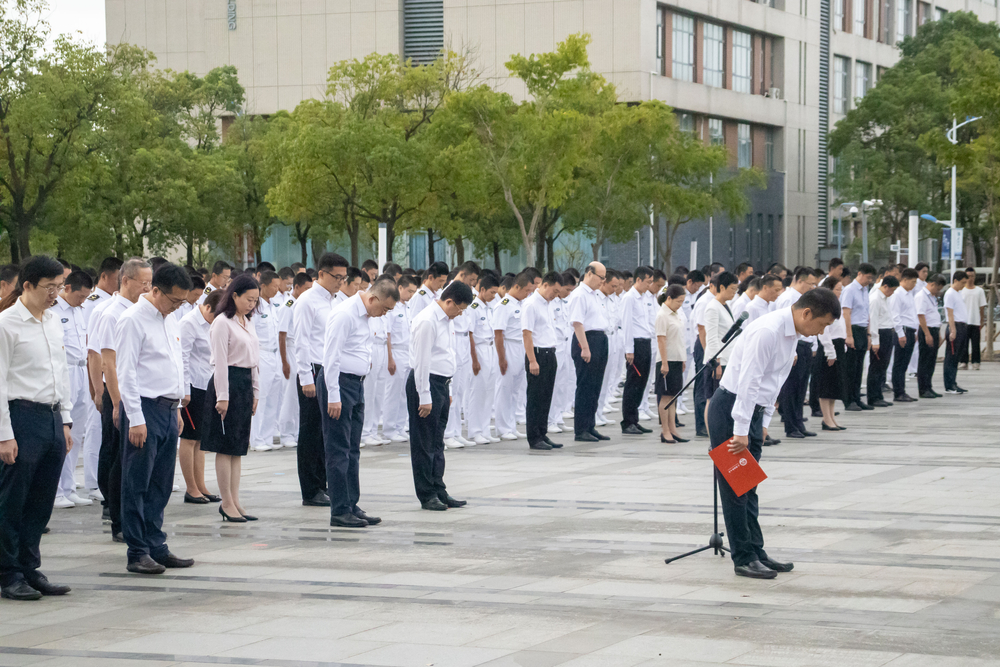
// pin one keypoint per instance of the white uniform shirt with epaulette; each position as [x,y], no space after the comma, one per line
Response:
[91,302]
[424,297]
[507,318]
[265,323]
[482,322]
[209,288]
[398,327]
[612,309]
[74,331]
[560,320]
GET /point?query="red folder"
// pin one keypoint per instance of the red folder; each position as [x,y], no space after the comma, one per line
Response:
[741,471]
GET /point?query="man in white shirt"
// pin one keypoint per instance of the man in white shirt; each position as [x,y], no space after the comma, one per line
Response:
[636,313]
[882,332]
[432,357]
[467,273]
[69,310]
[434,279]
[793,392]
[218,279]
[288,416]
[611,289]
[958,320]
[975,307]
[539,336]
[750,287]
[562,396]
[485,368]
[151,382]
[904,310]
[398,351]
[742,407]
[929,336]
[507,333]
[347,359]
[264,424]
[698,328]
[589,350]
[718,321]
[771,288]
[35,426]
[922,272]
[309,317]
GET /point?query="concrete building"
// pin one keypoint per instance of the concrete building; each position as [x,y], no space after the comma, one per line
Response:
[766,79]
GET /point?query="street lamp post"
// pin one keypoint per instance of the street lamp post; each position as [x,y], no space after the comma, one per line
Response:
[952,135]
[865,205]
[840,224]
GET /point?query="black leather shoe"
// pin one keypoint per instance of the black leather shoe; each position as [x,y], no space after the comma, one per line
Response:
[643,428]
[830,428]
[817,413]
[770,442]
[594,432]
[701,434]
[195,500]
[551,443]
[677,424]
[937,395]
[173,562]
[319,500]
[372,520]
[542,445]
[106,514]
[585,437]
[809,434]
[347,521]
[853,407]
[452,502]
[213,498]
[118,537]
[434,505]
[798,435]
[631,429]
[905,398]
[865,406]
[20,590]
[928,395]
[776,566]
[960,390]
[755,570]
[882,404]
[145,565]
[41,583]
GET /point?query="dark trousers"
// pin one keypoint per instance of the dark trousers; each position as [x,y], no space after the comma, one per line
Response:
[699,387]
[109,464]
[901,361]
[792,395]
[427,438]
[878,364]
[148,479]
[855,367]
[309,455]
[927,359]
[342,443]
[973,332]
[28,487]
[951,352]
[589,377]
[817,359]
[746,541]
[636,376]
[540,393]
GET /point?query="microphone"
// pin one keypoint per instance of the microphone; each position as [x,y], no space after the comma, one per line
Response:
[733,330]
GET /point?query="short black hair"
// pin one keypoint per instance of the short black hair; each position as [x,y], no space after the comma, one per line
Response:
[552,278]
[408,279]
[331,260]
[659,275]
[820,302]
[890,281]
[920,266]
[110,265]
[834,263]
[169,276]
[470,267]
[312,273]
[573,271]
[959,275]
[642,272]
[830,282]
[436,270]
[369,264]
[213,298]
[286,272]
[392,269]
[240,285]
[769,278]
[197,282]
[265,266]
[78,280]
[384,287]
[523,279]
[296,266]
[507,282]
[488,280]
[695,276]
[676,279]
[909,274]
[220,267]
[938,279]
[353,273]
[267,276]
[867,269]
[724,280]
[569,279]
[743,266]
[801,273]
[8,272]
[301,279]
[533,272]
[458,292]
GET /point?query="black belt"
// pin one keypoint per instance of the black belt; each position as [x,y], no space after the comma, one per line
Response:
[359,378]
[33,406]
[439,378]
[757,409]
[163,401]
[546,350]
[595,332]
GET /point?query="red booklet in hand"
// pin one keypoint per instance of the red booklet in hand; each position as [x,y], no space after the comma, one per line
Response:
[741,470]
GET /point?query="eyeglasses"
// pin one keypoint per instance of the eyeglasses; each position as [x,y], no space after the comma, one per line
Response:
[336,277]
[51,289]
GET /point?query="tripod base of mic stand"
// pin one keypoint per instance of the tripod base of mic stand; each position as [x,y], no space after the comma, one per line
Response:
[714,542]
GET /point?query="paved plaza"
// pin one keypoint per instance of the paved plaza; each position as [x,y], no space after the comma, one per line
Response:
[893,526]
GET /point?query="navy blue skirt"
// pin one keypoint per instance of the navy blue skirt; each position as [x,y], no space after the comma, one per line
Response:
[233,436]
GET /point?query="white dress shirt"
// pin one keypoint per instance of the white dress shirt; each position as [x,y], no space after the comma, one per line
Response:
[196,351]
[74,331]
[756,309]
[637,315]
[265,322]
[739,304]
[879,314]
[309,318]
[953,299]
[559,312]
[928,307]
[32,363]
[904,310]
[507,318]
[759,365]
[698,312]
[537,320]
[836,330]
[398,328]
[431,351]
[347,345]
[91,303]
[718,321]
[586,307]
[424,297]
[148,358]
[482,322]
[104,337]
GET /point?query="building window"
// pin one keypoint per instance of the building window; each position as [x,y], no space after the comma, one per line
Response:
[423,30]
[838,14]
[938,13]
[860,15]
[715,45]
[660,38]
[685,122]
[744,145]
[742,62]
[769,148]
[862,78]
[902,19]
[923,13]
[715,136]
[841,83]
[683,48]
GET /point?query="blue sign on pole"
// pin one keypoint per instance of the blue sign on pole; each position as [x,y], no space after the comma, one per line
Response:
[946,243]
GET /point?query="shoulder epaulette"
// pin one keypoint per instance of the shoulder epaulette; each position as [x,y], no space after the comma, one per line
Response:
[505,302]
[289,302]
[208,290]
[422,292]
[93,297]
[475,305]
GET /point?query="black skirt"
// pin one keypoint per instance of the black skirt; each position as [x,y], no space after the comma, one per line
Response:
[671,383]
[828,378]
[192,415]
[233,437]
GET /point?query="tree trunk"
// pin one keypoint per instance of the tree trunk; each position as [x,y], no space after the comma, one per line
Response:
[318,248]
[354,232]
[257,254]
[190,248]
[550,252]
[430,247]
[390,240]
[496,258]
[459,250]
[540,252]
[22,249]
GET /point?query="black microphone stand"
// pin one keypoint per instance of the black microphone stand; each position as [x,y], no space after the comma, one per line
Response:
[715,540]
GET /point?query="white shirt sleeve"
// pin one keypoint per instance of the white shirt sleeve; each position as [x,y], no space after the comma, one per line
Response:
[128,343]
[756,349]
[303,363]
[421,348]
[337,332]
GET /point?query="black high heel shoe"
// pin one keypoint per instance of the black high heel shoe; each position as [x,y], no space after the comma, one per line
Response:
[667,442]
[677,438]
[249,517]
[234,519]
[830,428]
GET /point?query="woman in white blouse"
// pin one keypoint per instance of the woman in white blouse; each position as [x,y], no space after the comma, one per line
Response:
[670,325]
[830,365]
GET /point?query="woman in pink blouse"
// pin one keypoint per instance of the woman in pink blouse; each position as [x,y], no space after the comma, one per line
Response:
[231,397]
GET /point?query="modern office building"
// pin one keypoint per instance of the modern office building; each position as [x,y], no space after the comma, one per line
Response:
[766,79]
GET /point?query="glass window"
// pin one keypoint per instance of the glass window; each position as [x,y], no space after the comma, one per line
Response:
[685,122]
[769,148]
[715,136]
[683,48]
[924,12]
[742,62]
[938,13]
[902,19]
[841,83]
[660,35]
[744,145]
[838,14]
[715,44]
[862,78]
[859,17]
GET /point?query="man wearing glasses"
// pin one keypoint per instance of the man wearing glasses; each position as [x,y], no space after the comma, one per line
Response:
[589,350]
[308,333]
